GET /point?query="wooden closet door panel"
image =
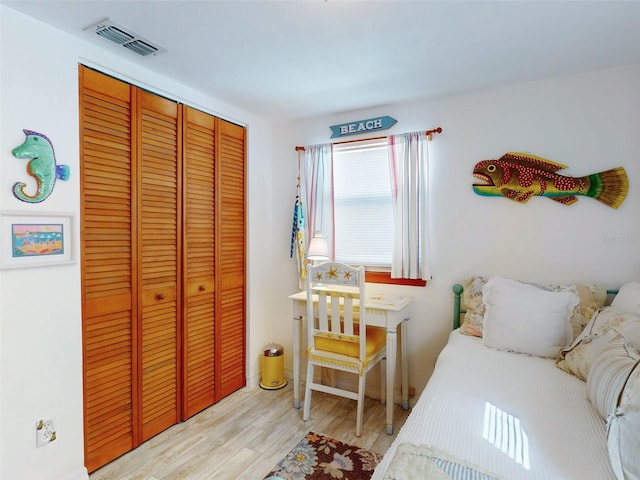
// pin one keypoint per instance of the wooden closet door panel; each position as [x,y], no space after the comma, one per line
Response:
[231,331]
[159,244]
[160,341]
[198,261]
[108,279]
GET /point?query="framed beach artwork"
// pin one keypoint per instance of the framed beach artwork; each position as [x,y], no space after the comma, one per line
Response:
[35,240]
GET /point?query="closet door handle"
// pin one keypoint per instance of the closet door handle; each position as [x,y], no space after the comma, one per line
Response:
[159,296]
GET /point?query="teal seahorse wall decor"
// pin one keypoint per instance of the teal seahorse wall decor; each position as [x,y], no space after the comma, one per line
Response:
[42,167]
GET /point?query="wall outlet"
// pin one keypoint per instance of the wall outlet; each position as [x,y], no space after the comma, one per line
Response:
[45,432]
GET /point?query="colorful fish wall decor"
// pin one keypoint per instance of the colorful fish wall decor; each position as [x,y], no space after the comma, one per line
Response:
[42,167]
[519,176]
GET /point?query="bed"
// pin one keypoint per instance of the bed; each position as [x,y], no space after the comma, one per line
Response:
[494,411]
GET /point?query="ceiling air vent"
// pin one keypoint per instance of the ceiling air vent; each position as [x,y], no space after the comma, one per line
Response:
[124,37]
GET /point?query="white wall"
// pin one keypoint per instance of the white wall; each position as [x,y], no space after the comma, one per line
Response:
[40,314]
[589,122]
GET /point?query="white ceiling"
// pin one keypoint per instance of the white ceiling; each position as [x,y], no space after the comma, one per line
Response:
[294,59]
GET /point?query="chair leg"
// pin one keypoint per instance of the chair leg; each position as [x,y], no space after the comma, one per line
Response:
[361,384]
[307,392]
[383,380]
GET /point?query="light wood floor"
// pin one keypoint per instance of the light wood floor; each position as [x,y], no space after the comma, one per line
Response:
[245,435]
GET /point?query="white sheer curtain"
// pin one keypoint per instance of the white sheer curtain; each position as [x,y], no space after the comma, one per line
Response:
[317,193]
[409,167]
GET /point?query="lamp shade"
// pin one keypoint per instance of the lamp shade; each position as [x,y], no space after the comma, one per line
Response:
[318,248]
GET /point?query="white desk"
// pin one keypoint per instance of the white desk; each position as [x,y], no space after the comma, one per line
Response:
[388,312]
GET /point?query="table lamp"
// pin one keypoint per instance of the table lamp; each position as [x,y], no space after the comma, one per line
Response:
[318,248]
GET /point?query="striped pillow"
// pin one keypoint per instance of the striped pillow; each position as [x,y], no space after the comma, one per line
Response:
[613,386]
[623,431]
[579,357]
[610,371]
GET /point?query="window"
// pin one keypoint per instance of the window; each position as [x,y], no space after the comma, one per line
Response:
[362,204]
[369,199]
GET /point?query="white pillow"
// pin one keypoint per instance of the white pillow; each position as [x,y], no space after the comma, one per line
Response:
[526,319]
[628,298]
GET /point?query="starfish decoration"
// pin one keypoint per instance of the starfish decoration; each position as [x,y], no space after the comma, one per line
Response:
[332,272]
[318,276]
[347,275]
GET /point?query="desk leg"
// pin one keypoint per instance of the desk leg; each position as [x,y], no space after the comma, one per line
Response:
[391,368]
[405,363]
[297,322]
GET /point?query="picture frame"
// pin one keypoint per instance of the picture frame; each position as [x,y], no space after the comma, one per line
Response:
[30,240]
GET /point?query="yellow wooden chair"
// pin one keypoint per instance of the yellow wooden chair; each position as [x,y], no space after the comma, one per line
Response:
[334,322]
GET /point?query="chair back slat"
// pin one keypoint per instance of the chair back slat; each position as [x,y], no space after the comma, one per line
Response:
[336,326]
[348,316]
[322,312]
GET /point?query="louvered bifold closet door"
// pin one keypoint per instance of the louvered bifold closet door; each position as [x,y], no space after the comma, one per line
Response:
[159,244]
[162,227]
[198,261]
[108,276]
[230,273]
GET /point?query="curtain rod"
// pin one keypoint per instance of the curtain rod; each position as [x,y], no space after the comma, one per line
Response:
[428,133]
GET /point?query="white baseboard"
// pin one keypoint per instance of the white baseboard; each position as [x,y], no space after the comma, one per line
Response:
[80,474]
[253,381]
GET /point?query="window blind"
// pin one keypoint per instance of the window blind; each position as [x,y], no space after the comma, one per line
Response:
[362,201]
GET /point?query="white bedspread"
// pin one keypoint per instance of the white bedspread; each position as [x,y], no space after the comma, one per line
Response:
[517,416]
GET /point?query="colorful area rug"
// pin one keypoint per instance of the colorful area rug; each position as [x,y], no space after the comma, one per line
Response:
[317,457]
